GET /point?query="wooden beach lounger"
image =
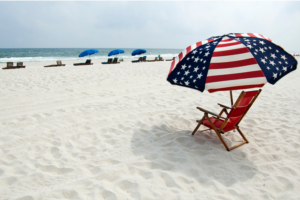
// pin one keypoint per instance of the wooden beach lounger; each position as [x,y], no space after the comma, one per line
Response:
[221,125]
[108,61]
[170,59]
[10,65]
[139,60]
[161,59]
[58,64]
[87,62]
[156,59]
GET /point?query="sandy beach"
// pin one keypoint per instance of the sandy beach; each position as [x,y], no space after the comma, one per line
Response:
[123,132]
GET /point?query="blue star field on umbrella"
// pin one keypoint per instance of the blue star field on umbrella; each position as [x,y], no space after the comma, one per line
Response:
[193,68]
[273,60]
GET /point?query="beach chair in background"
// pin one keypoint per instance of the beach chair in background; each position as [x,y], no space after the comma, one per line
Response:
[156,59]
[235,114]
[161,59]
[144,59]
[139,60]
[58,64]
[10,65]
[87,62]
[170,59]
[20,65]
[109,61]
[115,61]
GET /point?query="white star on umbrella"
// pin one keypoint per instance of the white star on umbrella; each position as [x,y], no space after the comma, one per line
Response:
[182,78]
[190,66]
[196,59]
[266,48]
[274,75]
[207,53]
[187,83]
[183,66]
[263,60]
[186,72]
[196,69]
[191,76]
[200,52]
[266,57]
[283,57]
[199,76]
[270,47]
[178,73]
[175,80]
[262,50]
[203,68]
[279,62]
[284,68]
[254,44]
[194,80]
[192,57]
[272,62]
[195,51]
[268,68]
[273,55]
[249,46]
[277,51]
[262,42]
[188,58]
[277,68]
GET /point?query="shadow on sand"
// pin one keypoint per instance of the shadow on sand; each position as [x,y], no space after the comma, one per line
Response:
[201,158]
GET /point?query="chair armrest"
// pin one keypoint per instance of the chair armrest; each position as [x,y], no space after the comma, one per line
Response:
[224,106]
[206,111]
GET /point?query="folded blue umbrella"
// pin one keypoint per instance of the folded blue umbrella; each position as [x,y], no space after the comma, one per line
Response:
[88,52]
[138,52]
[115,52]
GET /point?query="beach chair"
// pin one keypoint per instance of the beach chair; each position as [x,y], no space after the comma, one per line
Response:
[115,61]
[10,65]
[170,59]
[144,59]
[235,114]
[20,65]
[109,61]
[139,60]
[156,59]
[58,64]
[161,59]
[87,62]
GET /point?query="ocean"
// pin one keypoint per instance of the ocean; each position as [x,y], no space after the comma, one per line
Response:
[53,54]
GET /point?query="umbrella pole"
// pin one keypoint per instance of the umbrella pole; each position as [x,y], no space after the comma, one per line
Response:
[231,98]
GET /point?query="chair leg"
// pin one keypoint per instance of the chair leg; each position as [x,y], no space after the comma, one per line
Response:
[242,134]
[217,132]
[199,124]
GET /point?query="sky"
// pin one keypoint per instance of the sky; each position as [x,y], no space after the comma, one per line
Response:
[140,24]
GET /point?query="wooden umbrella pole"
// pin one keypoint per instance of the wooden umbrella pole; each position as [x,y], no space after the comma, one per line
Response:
[231,98]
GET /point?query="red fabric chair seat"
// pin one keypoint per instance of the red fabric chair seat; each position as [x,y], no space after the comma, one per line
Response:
[218,123]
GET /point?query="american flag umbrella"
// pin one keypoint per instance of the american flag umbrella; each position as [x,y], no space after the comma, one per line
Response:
[231,62]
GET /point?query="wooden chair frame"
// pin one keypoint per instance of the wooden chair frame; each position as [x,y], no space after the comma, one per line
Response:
[219,116]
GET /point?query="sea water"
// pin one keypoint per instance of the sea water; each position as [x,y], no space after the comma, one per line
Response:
[53,54]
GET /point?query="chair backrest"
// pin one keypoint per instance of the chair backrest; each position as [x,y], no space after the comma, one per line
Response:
[58,62]
[10,64]
[115,60]
[88,61]
[19,64]
[156,59]
[241,107]
[144,58]
[109,60]
[161,58]
[141,59]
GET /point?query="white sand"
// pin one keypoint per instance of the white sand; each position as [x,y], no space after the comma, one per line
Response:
[123,132]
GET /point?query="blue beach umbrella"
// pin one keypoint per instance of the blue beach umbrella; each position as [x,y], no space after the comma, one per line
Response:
[88,52]
[115,52]
[138,52]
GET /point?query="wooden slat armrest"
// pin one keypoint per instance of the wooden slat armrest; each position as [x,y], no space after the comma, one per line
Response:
[224,106]
[206,111]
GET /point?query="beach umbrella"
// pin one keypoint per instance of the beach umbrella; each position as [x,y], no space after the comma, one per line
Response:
[88,52]
[138,52]
[231,62]
[115,52]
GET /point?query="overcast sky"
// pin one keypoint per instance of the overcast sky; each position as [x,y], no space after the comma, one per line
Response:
[170,24]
